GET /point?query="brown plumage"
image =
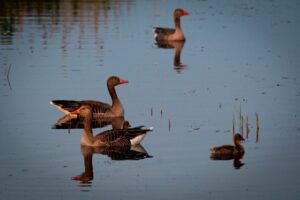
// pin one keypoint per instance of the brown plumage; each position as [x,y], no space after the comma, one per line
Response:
[229,151]
[171,34]
[114,137]
[100,109]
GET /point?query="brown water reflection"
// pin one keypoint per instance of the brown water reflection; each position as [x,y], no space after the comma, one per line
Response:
[137,152]
[53,16]
[237,163]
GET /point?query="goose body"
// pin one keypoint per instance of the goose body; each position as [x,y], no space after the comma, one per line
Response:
[99,109]
[171,34]
[114,137]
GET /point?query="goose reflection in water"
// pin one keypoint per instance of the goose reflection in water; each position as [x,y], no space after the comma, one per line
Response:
[67,122]
[178,46]
[136,152]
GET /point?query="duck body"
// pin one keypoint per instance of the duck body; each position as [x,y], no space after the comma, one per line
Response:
[115,137]
[229,151]
[171,34]
[99,109]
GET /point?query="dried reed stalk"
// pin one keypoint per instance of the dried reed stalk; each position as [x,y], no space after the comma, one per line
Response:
[257,127]
[247,127]
[242,125]
[233,125]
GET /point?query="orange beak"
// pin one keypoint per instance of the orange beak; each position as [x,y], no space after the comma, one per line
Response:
[75,112]
[122,81]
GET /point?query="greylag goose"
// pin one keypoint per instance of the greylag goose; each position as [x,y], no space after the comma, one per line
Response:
[114,137]
[100,109]
[171,34]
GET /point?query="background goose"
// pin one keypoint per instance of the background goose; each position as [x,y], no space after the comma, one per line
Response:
[171,34]
[100,109]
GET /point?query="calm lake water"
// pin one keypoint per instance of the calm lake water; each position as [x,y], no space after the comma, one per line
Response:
[240,58]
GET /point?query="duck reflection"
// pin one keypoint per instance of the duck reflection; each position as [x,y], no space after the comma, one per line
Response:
[137,152]
[237,163]
[229,152]
[178,46]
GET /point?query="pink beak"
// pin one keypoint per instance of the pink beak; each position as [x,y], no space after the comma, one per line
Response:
[185,13]
[122,81]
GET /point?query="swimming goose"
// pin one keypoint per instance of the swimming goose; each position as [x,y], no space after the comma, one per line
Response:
[114,137]
[170,34]
[100,109]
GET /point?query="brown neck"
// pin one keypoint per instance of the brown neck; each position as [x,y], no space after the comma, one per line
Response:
[239,146]
[177,22]
[113,94]
[88,125]
[116,104]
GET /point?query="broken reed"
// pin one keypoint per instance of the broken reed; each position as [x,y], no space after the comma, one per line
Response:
[247,127]
[243,121]
[161,115]
[233,125]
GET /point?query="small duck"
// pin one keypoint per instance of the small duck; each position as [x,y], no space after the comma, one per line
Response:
[229,151]
[114,137]
[171,34]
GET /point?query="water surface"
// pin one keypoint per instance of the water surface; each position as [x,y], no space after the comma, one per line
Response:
[240,56]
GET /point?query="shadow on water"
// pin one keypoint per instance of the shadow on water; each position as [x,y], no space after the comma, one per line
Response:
[137,152]
[178,46]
